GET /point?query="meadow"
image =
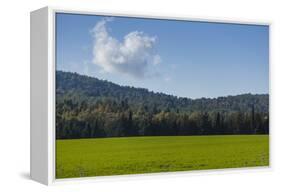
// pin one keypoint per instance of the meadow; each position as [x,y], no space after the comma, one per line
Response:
[133,155]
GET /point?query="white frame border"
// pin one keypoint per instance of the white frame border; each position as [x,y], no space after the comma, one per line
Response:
[51,99]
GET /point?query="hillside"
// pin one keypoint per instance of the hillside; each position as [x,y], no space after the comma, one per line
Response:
[87,107]
[84,88]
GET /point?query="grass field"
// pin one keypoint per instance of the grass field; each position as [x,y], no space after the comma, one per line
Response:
[131,155]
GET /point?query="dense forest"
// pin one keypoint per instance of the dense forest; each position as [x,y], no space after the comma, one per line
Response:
[87,107]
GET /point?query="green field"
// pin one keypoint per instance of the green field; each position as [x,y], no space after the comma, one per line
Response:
[131,155]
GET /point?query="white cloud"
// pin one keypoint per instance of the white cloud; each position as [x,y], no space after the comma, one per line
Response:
[134,56]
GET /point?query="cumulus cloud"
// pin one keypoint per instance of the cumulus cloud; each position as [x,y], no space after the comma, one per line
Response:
[134,55]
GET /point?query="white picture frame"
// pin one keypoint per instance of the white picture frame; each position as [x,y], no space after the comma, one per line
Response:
[42,45]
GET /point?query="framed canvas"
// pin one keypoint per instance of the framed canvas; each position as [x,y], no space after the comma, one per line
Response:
[115,94]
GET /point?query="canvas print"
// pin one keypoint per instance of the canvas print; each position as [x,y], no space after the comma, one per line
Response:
[140,95]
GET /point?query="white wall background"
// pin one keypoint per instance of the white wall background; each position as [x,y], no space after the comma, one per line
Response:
[14,96]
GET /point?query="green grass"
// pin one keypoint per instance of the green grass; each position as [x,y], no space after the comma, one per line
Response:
[131,155]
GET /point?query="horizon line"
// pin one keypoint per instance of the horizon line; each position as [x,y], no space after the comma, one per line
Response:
[179,97]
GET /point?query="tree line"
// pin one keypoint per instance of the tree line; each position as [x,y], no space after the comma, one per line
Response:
[87,107]
[112,119]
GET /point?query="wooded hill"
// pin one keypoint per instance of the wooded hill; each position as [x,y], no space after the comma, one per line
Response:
[87,107]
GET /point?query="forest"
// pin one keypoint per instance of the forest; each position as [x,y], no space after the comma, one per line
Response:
[87,107]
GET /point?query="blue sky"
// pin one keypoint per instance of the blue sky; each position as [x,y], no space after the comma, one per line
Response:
[188,59]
